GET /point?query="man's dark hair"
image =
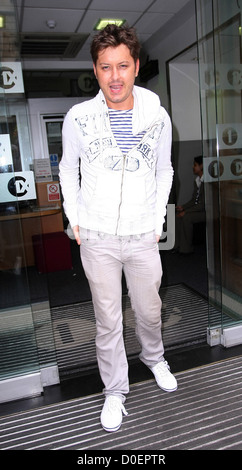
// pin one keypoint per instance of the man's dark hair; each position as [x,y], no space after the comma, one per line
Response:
[199,159]
[113,36]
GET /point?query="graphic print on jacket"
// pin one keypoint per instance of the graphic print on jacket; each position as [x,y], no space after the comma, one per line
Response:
[115,162]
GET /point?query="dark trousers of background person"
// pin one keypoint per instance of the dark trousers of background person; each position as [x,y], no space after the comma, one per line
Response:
[184,230]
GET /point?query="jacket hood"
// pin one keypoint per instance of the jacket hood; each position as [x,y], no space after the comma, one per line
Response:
[146,108]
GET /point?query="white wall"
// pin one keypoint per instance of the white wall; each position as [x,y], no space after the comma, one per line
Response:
[185,101]
[183,104]
[45,106]
[179,34]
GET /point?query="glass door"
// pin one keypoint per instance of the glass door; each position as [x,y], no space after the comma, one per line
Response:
[26,343]
[220,71]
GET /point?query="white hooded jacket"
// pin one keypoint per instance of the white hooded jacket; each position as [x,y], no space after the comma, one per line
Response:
[105,190]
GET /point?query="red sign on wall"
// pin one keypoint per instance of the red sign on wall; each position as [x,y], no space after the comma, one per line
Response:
[53,192]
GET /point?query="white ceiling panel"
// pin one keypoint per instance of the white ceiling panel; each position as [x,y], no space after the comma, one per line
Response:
[168,6]
[125,5]
[57,4]
[34,20]
[152,21]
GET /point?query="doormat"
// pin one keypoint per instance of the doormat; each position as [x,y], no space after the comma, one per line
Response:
[184,322]
[204,414]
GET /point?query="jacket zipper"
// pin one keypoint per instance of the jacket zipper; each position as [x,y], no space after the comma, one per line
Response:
[122,178]
[122,181]
[121,193]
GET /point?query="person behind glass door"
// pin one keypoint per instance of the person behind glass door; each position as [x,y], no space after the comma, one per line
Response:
[191,212]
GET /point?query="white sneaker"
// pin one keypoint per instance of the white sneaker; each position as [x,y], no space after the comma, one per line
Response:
[163,377]
[111,416]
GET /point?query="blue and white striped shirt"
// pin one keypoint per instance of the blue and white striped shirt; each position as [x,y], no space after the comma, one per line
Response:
[121,125]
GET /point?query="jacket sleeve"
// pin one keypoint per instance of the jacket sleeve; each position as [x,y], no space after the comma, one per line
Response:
[70,169]
[164,173]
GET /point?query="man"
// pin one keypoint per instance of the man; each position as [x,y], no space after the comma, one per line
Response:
[122,141]
[192,212]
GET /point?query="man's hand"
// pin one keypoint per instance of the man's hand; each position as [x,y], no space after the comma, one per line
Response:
[75,230]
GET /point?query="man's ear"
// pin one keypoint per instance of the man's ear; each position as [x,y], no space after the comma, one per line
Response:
[94,70]
[137,64]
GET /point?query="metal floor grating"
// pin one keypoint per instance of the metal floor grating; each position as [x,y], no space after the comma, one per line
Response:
[184,321]
[205,413]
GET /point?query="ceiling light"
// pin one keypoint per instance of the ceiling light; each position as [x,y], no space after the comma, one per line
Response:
[2,21]
[105,21]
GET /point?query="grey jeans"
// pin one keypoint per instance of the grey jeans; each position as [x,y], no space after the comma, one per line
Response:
[104,257]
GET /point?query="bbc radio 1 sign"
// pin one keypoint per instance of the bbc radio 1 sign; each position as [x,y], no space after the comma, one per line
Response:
[227,167]
[225,77]
[222,169]
[19,186]
[229,136]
